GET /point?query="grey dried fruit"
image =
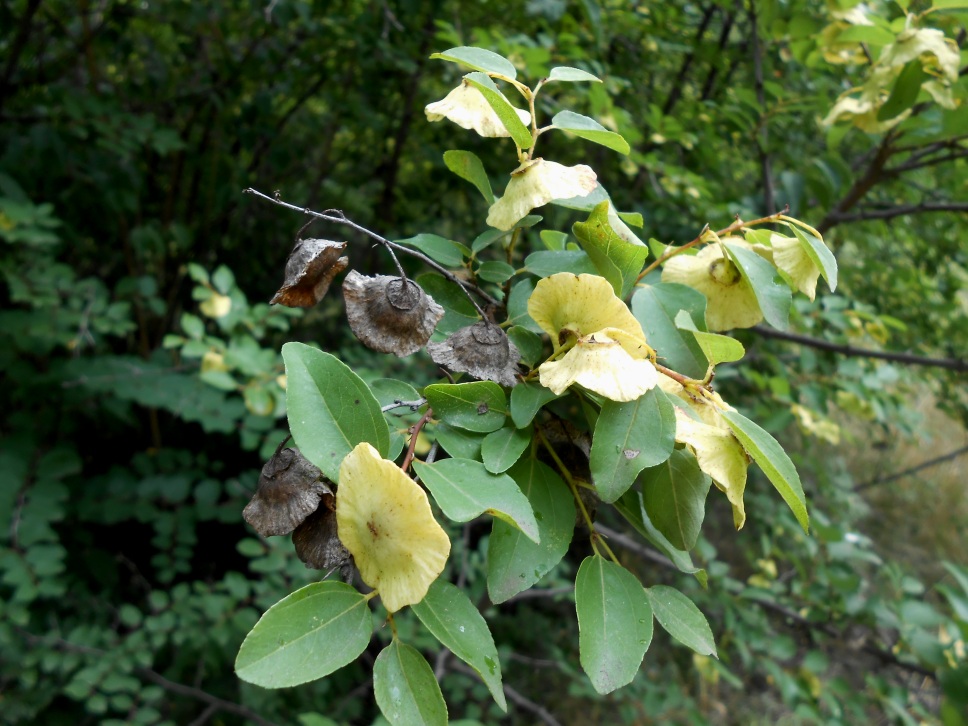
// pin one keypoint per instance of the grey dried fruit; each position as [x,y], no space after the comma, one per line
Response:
[317,542]
[482,350]
[390,314]
[290,489]
[311,267]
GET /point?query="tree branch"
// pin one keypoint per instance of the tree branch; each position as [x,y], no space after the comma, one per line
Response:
[679,83]
[912,470]
[954,364]
[762,144]
[891,212]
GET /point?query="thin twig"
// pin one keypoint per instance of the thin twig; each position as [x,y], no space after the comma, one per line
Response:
[519,699]
[538,593]
[913,470]
[954,364]
[414,433]
[412,405]
[338,217]
[891,212]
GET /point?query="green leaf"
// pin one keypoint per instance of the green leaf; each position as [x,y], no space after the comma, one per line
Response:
[870,34]
[717,348]
[468,166]
[330,408]
[588,128]
[495,271]
[614,623]
[405,687]
[680,617]
[591,200]
[305,636]
[656,308]
[821,255]
[464,490]
[632,508]
[459,443]
[452,618]
[479,59]
[772,294]
[618,260]
[503,447]
[553,239]
[905,91]
[486,239]
[439,249]
[573,75]
[503,108]
[674,495]
[479,406]
[628,438]
[529,345]
[518,306]
[774,462]
[514,562]
[459,312]
[545,263]
[527,398]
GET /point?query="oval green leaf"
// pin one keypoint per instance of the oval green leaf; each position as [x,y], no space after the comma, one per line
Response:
[503,108]
[495,271]
[614,623]
[545,263]
[656,308]
[630,437]
[589,129]
[464,490]
[307,635]
[442,250]
[479,59]
[527,398]
[405,687]
[452,618]
[514,562]
[458,310]
[674,496]
[460,444]
[330,408]
[618,259]
[468,166]
[529,345]
[501,448]
[774,462]
[479,406]
[772,294]
[572,75]
[680,617]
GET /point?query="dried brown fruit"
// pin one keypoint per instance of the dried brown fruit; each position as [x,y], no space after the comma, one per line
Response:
[316,540]
[290,489]
[482,349]
[390,314]
[311,267]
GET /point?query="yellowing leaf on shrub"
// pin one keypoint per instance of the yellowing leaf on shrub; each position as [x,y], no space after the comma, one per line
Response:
[217,306]
[789,255]
[384,520]
[534,184]
[720,455]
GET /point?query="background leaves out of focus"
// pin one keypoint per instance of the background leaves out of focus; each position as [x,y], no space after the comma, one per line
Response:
[141,384]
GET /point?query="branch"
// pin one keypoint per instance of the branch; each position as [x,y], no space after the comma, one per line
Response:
[520,700]
[918,164]
[913,470]
[765,164]
[875,173]
[891,212]
[680,80]
[338,217]
[954,364]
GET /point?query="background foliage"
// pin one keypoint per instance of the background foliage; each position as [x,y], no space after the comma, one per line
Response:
[135,420]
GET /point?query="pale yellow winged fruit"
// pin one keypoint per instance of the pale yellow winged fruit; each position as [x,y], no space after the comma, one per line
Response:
[384,520]
[534,184]
[598,342]
[467,107]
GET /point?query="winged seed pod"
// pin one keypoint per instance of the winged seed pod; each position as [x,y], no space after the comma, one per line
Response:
[290,489]
[316,540]
[390,314]
[311,267]
[534,184]
[467,107]
[482,349]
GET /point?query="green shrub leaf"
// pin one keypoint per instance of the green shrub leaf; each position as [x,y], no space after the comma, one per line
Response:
[618,260]
[405,687]
[330,408]
[468,166]
[772,294]
[501,448]
[450,615]
[588,128]
[674,495]
[306,636]
[656,308]
[480,59]
[503,108]
[680,617]
[480,406]
[614,623]
[464,490]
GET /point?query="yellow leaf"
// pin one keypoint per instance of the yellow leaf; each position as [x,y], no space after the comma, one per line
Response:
[217,306]
[384,520]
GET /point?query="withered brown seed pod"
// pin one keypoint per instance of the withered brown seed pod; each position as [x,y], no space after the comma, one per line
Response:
[317,542]
[390,314]
[482,350]
[311,267]
[290,489]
